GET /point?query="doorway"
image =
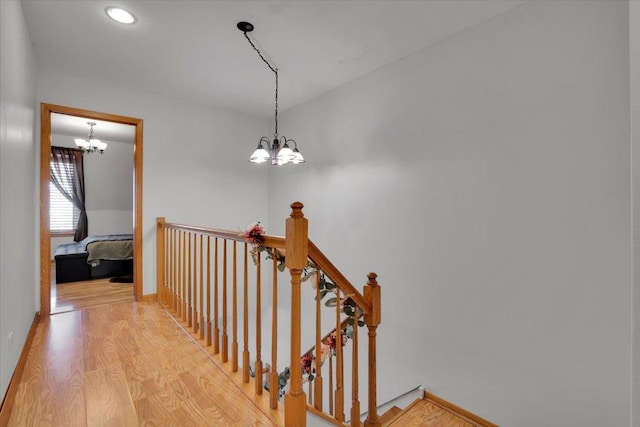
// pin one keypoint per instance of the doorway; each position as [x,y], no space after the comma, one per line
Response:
[46,112]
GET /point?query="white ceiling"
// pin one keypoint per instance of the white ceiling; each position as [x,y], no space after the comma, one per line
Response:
[193,50]
[77,127]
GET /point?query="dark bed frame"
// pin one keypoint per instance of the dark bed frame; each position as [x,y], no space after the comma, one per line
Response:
[72,266]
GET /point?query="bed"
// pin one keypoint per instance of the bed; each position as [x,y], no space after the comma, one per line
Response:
[95,257]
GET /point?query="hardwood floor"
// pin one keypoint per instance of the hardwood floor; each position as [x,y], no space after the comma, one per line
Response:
[126,364]
[89,293]
[427,412]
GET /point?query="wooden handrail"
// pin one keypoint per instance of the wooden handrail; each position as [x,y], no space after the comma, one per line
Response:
[278,242]
[320,259]
[268,241]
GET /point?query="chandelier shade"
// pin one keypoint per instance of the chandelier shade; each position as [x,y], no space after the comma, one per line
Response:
[260,155]
[278,151]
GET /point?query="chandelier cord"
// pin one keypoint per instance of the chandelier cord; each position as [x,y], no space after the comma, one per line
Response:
[275,71]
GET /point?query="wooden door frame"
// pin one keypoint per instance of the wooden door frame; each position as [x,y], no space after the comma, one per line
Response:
[45,235]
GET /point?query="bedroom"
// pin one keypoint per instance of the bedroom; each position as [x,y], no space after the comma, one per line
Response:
[108,178]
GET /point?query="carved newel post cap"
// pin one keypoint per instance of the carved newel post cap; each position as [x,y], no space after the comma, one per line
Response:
[372,278]
[296,210]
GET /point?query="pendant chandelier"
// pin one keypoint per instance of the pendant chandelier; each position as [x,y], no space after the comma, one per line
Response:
[92,145]
[278,151]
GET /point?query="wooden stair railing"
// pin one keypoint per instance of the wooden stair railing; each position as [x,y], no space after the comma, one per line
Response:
[195,286]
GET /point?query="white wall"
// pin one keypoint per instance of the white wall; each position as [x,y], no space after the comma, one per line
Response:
[109,189]
[195,167]
[18,257]
[110,222]
[634,50]
[486,180]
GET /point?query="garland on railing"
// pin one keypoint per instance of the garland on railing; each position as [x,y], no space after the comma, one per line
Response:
[254,234]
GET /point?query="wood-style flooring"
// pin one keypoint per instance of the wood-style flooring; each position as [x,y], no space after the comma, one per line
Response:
[424,412]
[88,293]
[126,364]
[115,362]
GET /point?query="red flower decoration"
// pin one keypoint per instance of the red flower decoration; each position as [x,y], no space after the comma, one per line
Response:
[254,234]
[332,341]
[306,363]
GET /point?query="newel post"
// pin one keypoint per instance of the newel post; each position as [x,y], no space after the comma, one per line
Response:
[160,250]
[296,249]
[372,295]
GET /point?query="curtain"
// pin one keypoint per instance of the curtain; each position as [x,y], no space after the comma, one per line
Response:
[67,168]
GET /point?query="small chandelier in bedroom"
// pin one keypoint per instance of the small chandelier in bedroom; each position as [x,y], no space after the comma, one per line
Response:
[279,151]
[92,145]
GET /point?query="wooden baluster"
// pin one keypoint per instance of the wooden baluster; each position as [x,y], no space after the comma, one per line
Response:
[162,299]
[355,400]
[331,384]
[174,275]
[169,273]
[160,257]
[172,237]
[339,400]
[189,296]
[197,311]
[168,269]
[184,276]
[245,318]
[310,391]
[167,263]
[234,315]
[216,329]
[372,320]
[225,338]
[176,272]
[201,324]
[273,380]
[179,273]
[194,283]
[258,369]
[208,291]
[161,290]
[317,381]
[297,249]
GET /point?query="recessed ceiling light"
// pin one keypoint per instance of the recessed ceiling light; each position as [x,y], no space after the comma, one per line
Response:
[120,15]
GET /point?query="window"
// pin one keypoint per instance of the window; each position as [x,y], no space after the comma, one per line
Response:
[63,215]
[67,176]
